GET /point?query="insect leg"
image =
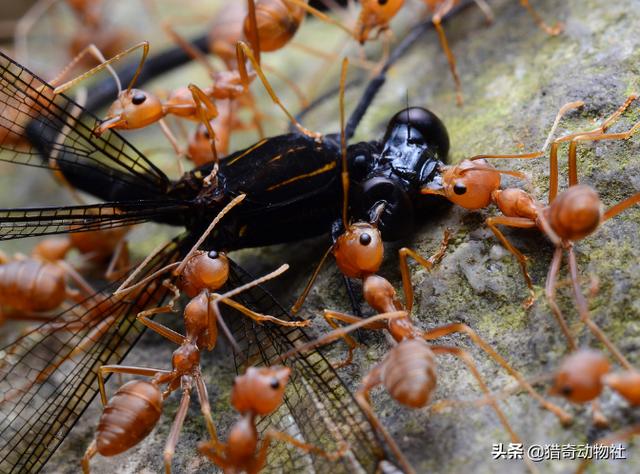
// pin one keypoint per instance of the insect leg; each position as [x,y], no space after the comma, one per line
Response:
[428,263]
[370,381]
[522,223]
[550,292]
[436,19]
[176,427]
[441,331]
[123,369]
[583,310]
[551,30]
[205,408]
[303,296]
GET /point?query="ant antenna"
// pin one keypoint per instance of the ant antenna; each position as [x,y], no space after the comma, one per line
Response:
[343,146]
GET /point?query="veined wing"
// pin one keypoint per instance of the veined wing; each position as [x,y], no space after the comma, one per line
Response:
[49,377]
[318,408]
[30,222]
[60,134]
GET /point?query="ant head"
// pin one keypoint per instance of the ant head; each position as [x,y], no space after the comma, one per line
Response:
[626,383]
[260,390]
[579,378]
[375,14]
[186,357]
[359,250]
[576,212]
[205,270]
[132,109]
[52,249]
[277,23]
[469,184]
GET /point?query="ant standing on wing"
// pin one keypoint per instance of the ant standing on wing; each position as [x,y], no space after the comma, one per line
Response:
[568,217]
[258,392]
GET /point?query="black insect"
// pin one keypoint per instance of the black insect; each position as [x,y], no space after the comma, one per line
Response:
[293,191]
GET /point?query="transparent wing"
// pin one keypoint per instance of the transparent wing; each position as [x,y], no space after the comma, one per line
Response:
[318,409]
[30,222]
[39,128]
[49,376]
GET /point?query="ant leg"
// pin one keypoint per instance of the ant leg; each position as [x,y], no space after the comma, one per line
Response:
[486,10]
[597,415]
[166,131]
[621,206]
[258,317]
[206,111]
[91,451]
[331,317]
[436,19]
[207,449]
[441,331]
[244,53]
[573,144]
[119,262]
[145,51]
[521,223]
[370,381]
[272,434]
[176,427]
[303,296]
[123,369]
[164,331]
[551,30]
[428,263]
[471,365]
[214,308]
[167,308]
[550,292]
[583,310]
[372,322]
[205,408]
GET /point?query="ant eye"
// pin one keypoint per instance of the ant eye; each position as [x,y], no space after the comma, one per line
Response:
[275,384]
[365,239]
[566,390]
[459,188]
[382,2]
[213,254]
[138,98]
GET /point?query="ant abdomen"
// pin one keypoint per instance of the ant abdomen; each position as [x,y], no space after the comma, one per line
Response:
[409,373]
[31,285]
[129,417]
[576,212]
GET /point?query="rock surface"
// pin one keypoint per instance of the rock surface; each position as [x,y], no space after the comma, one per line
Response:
[514,78]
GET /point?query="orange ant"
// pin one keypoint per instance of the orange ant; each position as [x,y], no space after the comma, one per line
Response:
[135,408]
[376,15]
[258,392]
[569,217]
[34,286]
[99,246]
[408,371]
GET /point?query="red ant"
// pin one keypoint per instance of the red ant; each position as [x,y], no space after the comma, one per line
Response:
[569,217]
[259,392]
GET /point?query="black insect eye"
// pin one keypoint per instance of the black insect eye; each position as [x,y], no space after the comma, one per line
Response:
[566,390]
[365,239]
[360,161]
[275,384]
[213,254]
[459,188]
[138,98]
[382,2]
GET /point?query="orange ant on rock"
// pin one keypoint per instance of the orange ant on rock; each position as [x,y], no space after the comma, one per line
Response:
[568,217]
[258,392]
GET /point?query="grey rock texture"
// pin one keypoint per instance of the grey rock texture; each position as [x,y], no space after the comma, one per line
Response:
[514,77]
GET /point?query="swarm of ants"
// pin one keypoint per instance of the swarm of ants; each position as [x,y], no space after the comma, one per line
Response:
[367,365]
